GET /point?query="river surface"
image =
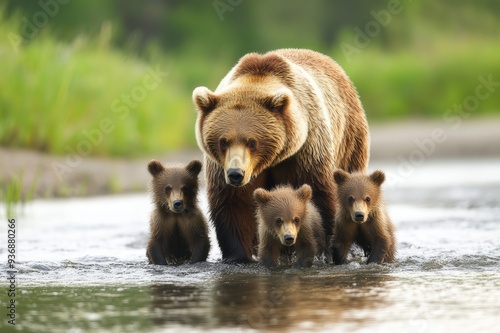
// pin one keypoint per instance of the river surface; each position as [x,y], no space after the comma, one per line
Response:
[81,267]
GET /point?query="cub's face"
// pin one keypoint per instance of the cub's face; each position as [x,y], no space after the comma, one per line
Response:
[282,211]
[357,193]
[243,130]
[174,188]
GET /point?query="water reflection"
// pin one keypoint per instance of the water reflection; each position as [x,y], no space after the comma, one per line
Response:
[278,300]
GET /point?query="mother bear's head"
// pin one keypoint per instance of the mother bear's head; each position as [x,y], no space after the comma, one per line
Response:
[251,123]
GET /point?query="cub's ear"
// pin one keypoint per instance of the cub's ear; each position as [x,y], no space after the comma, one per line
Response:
[340,176]
[194,168]
[378,177]
[304,193]
[261,196]
[278,102]
[204,99]
[155,167]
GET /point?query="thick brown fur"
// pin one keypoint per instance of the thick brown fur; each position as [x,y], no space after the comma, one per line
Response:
[178,229]
[362,218]
[286,117]
[288,222]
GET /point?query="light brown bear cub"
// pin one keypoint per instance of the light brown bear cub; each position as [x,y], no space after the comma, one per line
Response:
[362,218]
[288,222]
[178,229]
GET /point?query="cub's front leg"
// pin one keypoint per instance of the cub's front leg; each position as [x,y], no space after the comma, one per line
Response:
[305,254]
[155,253]
[269,253]
[199,241]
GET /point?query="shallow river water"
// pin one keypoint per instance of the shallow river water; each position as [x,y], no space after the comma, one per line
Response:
[81,267]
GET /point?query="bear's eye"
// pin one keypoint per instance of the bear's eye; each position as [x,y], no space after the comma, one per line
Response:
[168,189]
[296,220]
[367,199]
[252,144]
[186,189]
[351,199]
[223,144]
[279,221]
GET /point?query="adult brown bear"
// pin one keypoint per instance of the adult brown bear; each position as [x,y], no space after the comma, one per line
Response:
[286,117]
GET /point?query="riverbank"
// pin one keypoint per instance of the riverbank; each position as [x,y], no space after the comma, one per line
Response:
[64,176]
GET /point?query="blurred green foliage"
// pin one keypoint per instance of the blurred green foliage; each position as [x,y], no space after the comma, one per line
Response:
[62,76]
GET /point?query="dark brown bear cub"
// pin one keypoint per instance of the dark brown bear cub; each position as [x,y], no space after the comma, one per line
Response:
[178,229]
[287,222]
[362,218]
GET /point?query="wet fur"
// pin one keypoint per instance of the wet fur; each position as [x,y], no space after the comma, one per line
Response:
[284,201]
[376,234]
[285,100]
[176,237]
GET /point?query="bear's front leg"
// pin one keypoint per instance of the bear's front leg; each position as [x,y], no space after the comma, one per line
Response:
[232,212]
[196,234]
[378,253]
[324,199]
[155,254]
[305,254]
[200,250]
[340,250]
[270,253]
[236,230]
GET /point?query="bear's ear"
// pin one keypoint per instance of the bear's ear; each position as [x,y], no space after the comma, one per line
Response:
[278,102]
[340,176]
[304,193]
[155,167]
[261,196]
[204,99]
[194,168]
[378,177]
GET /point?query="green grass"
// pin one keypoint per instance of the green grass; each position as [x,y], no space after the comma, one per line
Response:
[54,92]
[426,79]
[12,197]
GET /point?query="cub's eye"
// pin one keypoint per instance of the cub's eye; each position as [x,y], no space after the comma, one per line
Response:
[168,189]
[296,220]
[252,144]
[367,199]
[351,199]
[186,189]
[279,221]
[223,144]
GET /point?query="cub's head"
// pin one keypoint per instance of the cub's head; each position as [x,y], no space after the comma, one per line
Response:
[358,194]
[253,121]
[282,211]
[174,188]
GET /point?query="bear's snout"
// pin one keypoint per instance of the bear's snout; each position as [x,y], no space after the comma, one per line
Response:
[235,176]
[359,216]
[178,205]
[289,240]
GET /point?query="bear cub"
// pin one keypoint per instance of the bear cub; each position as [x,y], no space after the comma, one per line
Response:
[288,222]
[178,229]
[362,218]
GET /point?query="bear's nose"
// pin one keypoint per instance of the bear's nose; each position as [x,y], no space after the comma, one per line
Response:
[178,204]
[235,176]
[289,239]
[359,216]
